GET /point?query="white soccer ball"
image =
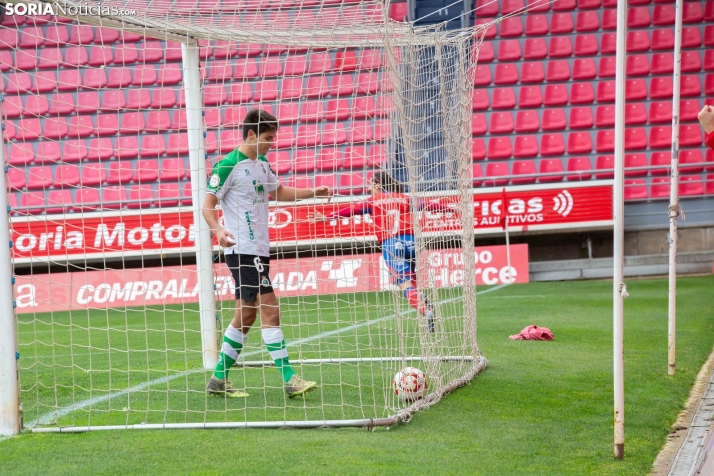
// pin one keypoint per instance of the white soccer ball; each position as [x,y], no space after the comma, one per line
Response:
[410,384]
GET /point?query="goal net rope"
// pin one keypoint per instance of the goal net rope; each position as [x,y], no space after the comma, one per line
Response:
[111,125]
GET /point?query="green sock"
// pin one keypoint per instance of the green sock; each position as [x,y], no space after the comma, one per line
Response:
[232,345]
[275,343]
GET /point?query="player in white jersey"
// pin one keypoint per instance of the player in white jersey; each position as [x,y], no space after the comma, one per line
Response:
[242,181]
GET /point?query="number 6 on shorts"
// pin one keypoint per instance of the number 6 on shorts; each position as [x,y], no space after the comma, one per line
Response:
[258,264]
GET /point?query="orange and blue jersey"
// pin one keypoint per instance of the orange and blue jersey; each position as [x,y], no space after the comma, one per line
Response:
[392,219]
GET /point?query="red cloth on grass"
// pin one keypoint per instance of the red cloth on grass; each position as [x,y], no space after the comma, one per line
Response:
[533,333]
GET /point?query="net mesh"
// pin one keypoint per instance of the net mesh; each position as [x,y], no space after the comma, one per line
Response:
[103,182]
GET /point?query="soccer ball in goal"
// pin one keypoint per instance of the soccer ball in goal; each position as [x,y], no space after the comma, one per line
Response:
[410,384]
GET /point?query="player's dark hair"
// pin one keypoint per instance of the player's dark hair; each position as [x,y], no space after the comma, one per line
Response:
[259,121]
[388,183]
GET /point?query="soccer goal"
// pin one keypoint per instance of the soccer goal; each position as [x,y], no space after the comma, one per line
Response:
[120,294]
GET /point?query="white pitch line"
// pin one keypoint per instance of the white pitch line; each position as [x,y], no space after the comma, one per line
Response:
[48,418]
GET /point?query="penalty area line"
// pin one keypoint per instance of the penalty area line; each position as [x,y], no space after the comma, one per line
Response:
[48,418]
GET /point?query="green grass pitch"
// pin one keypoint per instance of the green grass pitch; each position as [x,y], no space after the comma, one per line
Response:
[539,408]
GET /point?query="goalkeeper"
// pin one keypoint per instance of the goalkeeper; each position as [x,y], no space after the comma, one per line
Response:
[391,213]
[241,181]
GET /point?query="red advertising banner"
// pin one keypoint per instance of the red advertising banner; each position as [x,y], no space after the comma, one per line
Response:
[557,206]
[290,277]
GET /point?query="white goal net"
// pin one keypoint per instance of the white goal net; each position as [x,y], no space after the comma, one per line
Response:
[122,296]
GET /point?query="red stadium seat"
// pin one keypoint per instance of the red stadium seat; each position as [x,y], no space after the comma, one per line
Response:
[478,149]
[48,152]
[329,181]
[605,163]
[580,165]
[663,39]
[132,123]
[16,179]
[477,175]
[147,170]
[691,161]
[564,6]
[584,69]
[635,114]
[113,100]
[29,129]
[531,72]
[480,100]
[55,128]
[351,184]
[692,62]
[361,131]
[50,58]
[530,96]
[638,17]
[316,87]
[355,158]
[690,86]
[554,120]
[334,134]
[560,47]
[342,85]
[321,63]
[635,90]
[552,144]
[503,98]
[114,197]
[337,109]
[587,21]
[607,67]
[635,189]
[93,175]
[586,45]
[501,123]
[76,56]
[152,145]
[538,6]
[43,82]
[486,8]
[399,11]
[67,176]
[499,148]
[660,163]
[107,124]
[39,178]
[21,154]
[690,135]
[59,201]
[478,124]
[303,161]
[561,23]
[36,106]
[579,143]
[534,49]
[525,146]
[659,188]
[370,59]
[497,169]
[509,50]
[526,168]
[638,65]
[635,165]
[506,73]
[550,167]
[168,194]
[120,172]
[635,139]
[536,25]
[344,61]
[582,93]
[511,27]
[556,95]
[690,185]
[558,70]
[329,160]
[100,149]
[367,83]
[527,121]
[32,203]
[311,111]
[661,88]
[581,118]
[171,169]
[140,196]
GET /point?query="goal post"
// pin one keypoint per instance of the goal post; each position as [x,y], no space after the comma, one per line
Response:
[123,295]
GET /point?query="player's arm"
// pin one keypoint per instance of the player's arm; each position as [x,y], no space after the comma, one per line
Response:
[291,194]
[435,207]
[210,214]
[357,209]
